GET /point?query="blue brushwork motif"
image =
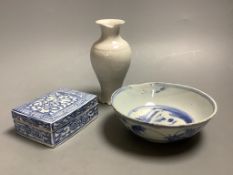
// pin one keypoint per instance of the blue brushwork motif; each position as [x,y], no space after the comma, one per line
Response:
[56,116]
[160,114]
[55,109]
[177,113]
[179,135]
[138,129]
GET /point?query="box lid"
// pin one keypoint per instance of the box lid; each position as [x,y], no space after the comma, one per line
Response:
[46,111]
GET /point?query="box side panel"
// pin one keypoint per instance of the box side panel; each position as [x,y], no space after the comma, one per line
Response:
[74,116]
[34,134]
[30,121]
[73,127]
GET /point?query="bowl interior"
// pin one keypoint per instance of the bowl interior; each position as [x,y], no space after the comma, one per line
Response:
[163,103]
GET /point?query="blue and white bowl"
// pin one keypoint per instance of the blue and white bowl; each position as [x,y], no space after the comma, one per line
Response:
[163,112]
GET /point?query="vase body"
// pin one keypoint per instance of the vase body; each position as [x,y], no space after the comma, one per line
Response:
[110,58]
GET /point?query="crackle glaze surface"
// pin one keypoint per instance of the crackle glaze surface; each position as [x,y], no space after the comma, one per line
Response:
[163,112]
[110,58]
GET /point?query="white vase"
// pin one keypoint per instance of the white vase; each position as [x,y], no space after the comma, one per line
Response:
[110,58]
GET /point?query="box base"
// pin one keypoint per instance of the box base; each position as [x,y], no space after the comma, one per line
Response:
[55,145]
[54,139]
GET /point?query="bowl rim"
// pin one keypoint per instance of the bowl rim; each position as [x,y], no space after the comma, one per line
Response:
[198,91]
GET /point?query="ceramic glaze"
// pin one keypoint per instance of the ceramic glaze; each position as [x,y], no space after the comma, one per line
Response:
[160,114]
[56,116]
[110,58]
[163,112]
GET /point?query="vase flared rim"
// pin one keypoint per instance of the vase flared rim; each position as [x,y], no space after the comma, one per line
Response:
[110,22]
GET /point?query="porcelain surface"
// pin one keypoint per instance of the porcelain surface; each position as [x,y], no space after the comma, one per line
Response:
[53,118]
[163,112]
[110,58]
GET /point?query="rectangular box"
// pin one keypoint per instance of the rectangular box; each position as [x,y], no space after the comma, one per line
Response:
[55,117]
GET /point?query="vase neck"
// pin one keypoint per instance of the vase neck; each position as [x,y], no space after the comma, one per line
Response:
[107,32]
[110,28]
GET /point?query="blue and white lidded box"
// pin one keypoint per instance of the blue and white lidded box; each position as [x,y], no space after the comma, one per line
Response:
[55,117]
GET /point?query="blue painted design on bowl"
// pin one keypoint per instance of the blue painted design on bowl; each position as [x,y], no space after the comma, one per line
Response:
[163,112]
[160,114]
[182,134]
[138,129]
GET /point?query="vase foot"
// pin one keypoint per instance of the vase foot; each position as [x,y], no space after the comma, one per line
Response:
[105,101]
